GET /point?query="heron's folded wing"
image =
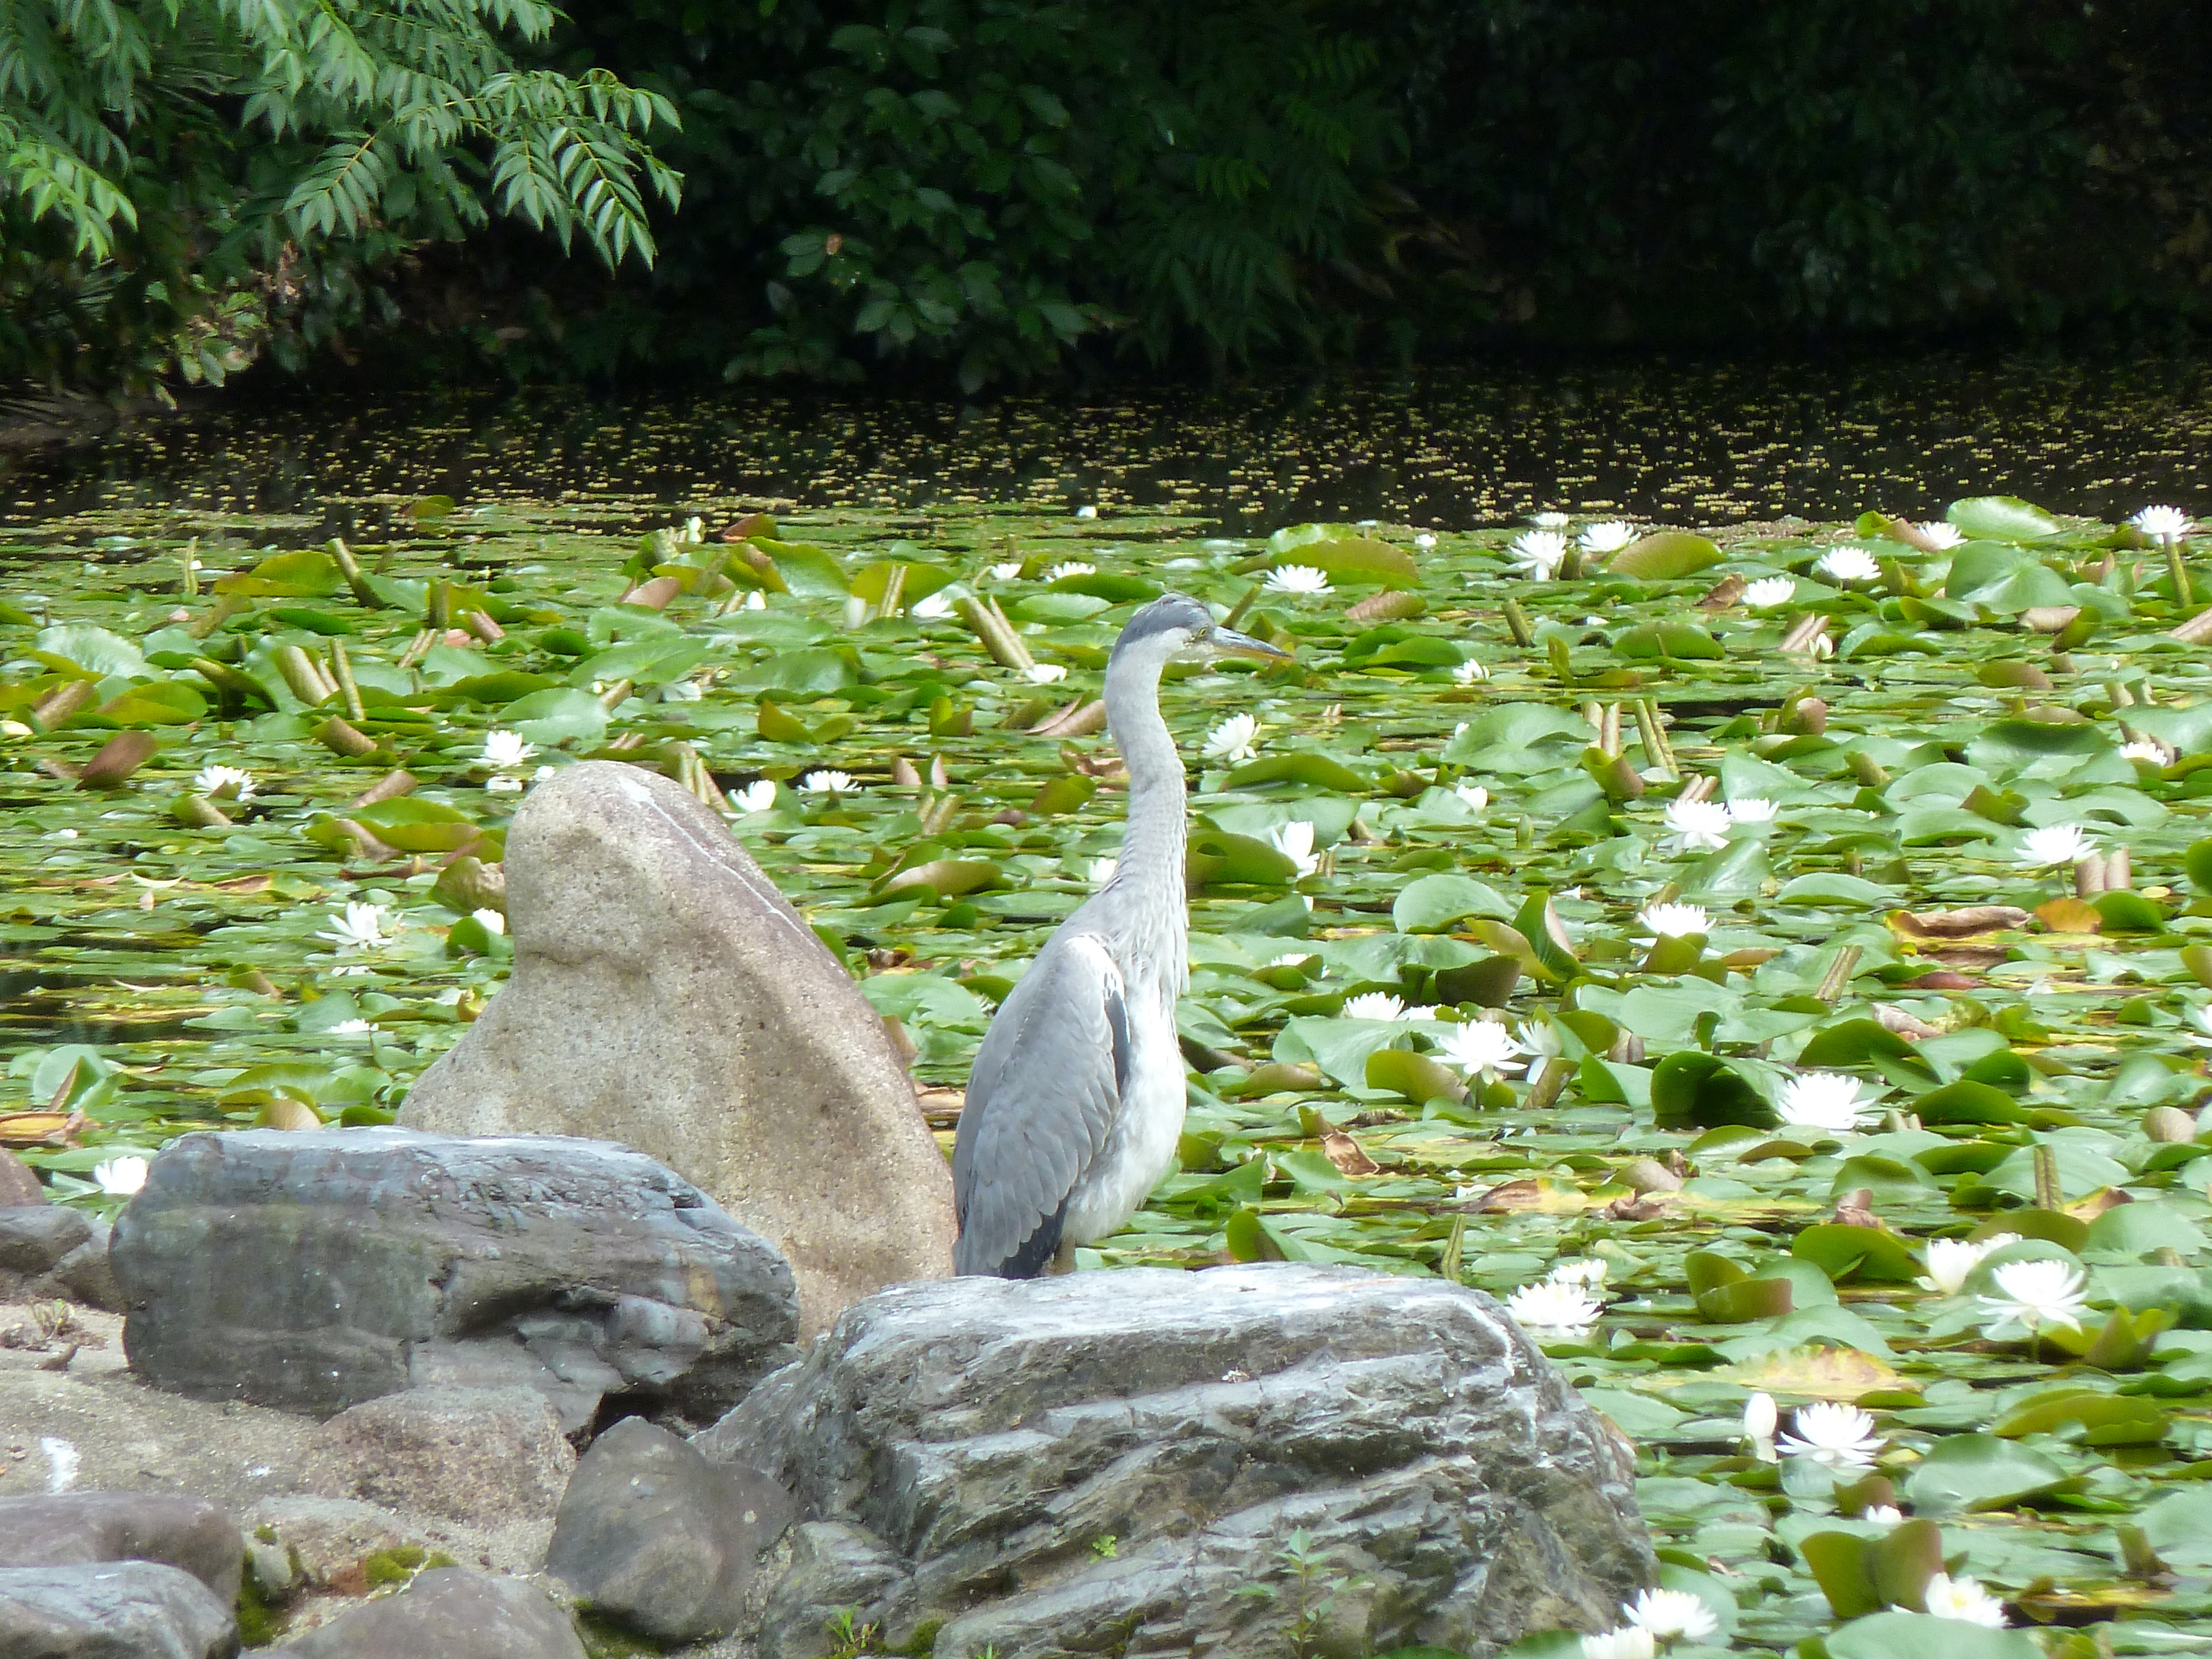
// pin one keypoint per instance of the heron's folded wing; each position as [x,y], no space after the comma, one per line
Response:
[1044,1092]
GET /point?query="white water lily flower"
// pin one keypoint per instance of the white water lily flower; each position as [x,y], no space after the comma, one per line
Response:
[827,782]
[1827,1101]
[1848,565]
[2033,1294]
[1667,1613]
[1102,870]
[758,796]
[1294,841]
[2148,749]
[504,785]
[1374,1005]
[1235,739]
[2055,843]
[1550,521]
[1297,579]
[2163,524]
[1768,592]
[1045,673]
[1674,920]
[1474,796]
[360,928]
[1752,809]
[1086,511]
[1609,537]
[1629,1642]
[1068,568]
[1760,1417]
[506,749]
[755,600]
[1538,552]
[931,607]
[1586,1271]
[695,530]
[1468,672]
[1483,1047]
[1963,1599]
[1883,1515]
[1006,572]
[119,1177]
[1830,1432]
[1425,541]
[220,783]
[1694,824]
[350,1028]
[492,922]
[1550,1305]
[1950,1260]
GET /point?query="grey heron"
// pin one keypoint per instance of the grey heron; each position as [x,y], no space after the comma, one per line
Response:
[1076,1100]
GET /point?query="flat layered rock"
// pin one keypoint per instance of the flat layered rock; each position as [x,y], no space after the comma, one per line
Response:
[1152,1461]
[315,1271]
[79,1528]
[47,1252]
[113,1610]
[665,996]
[451,1613]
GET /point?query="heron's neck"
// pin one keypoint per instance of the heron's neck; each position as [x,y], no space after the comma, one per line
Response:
[1151,859]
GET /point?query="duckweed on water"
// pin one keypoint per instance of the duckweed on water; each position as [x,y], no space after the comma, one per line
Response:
[1850,947]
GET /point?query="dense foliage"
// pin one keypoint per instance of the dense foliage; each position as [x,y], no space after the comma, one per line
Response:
[996,190]
[186,183]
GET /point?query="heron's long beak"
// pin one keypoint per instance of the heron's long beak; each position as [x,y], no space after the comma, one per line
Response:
[1229,642]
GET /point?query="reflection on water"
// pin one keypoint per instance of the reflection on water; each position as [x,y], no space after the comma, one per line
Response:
[1449,448]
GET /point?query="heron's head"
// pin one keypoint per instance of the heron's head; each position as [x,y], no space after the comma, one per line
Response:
[1176,627]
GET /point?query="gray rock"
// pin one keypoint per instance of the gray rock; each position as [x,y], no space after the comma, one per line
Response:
[113,1610]
[48,1251]
[19,1182]
[73,1528]
[481,1457]
[965,1451]
[666,997]
[314,1270]
[325,1539]
[660,1540]
[451,1614]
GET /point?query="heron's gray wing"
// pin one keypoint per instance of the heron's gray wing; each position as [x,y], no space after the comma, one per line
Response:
[1045,1088]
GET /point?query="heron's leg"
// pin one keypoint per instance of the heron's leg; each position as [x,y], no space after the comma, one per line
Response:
[1063,1259]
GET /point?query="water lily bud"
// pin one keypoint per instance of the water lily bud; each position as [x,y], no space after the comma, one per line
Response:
[1760,1417]
[1809,715]
[2169,1123]
[1648,1174]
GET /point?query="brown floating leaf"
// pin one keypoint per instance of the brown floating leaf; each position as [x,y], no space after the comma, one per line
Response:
[1855,1209]
[1974,920]
[2068,915]
[2196,630]
[1077,720]
[1941,979]
[58,706]
[1643,1208]
[1893,1018]
[39,1128]
[1648,1174]
[1346,1152]
[118,757]
[1723,593]
[653,595]
[2048,619]
[1390,605]
[469,884]
[903,776]
[390,787]
[1817,1373]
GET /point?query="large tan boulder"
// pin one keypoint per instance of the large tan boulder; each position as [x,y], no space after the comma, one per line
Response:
[665,995]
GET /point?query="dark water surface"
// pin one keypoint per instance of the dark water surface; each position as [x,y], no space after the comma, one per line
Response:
[1450,448]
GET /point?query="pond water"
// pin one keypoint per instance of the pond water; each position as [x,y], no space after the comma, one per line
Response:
[1846,886]
[1690,442]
